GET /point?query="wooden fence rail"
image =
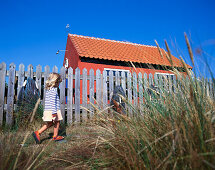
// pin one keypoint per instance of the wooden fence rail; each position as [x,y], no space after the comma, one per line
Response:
[79,91]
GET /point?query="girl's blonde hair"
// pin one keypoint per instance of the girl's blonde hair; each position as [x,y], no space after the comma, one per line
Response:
[53,80]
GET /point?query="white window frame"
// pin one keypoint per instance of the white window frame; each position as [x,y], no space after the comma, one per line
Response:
[113,69]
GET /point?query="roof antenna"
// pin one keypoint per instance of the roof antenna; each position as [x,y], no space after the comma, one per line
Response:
[59,51]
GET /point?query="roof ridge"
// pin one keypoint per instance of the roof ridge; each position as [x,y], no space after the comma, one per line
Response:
[113,40]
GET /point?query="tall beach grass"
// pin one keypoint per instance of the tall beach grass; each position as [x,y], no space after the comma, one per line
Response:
[169,131]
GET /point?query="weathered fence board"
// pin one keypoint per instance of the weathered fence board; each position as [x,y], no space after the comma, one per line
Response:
[105,97]
[46,75]
[70,96]
[30,71]
[98,87]
[117,78]
[21,77]
[84,94]
[62,92]
[92,98]
[123,81]
[2,90]
[77,95]
[10,95]
[111,85]
[140,84]
[129,106]
[55,69]
[135,89]
[39,76]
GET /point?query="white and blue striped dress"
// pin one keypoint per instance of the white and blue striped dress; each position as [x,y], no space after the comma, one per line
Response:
[52,105]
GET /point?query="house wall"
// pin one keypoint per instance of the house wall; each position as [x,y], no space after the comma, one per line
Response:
[71,54]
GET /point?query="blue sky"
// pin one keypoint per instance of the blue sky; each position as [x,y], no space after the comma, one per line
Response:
[32,31]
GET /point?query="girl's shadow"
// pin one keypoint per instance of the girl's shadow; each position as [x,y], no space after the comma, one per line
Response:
[61,132]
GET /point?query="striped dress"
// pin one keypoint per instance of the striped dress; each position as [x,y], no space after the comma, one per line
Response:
[52,102]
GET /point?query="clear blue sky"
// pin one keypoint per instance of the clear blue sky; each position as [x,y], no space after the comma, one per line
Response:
[32,31]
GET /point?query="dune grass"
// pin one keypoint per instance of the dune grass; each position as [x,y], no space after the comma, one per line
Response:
[169,131]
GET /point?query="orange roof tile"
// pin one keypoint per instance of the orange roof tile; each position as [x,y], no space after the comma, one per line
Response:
[120,51]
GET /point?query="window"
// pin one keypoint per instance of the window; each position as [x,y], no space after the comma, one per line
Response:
[115,70]
[167,78]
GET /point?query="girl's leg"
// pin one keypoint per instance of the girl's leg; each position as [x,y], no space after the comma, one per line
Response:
[56,128]
[48,125]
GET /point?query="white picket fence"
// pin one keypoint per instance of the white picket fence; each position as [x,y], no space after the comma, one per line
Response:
[97,89]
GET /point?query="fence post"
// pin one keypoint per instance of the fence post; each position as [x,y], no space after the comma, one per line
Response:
[10,94]
[91,92]
[62,92]
[39,76]
[70,96]
[77,94]
[84,95]
[2,90]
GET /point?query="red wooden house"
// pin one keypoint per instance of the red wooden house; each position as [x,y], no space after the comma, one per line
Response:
[104,54]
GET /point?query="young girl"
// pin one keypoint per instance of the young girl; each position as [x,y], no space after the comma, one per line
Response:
[52,114]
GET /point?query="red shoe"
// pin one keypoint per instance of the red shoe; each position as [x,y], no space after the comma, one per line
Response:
[36,136]
[58,138]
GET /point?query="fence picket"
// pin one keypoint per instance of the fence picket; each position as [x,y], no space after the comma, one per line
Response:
[21,77]
[46,75]
[145,85]
[84,94]
[70,96]
[123,81]
[151,81]
[30,72]
[129,106]
[140,84]
[135,89]
[91,92]
[10,95]
[98,87]
[117,78]
[62,92]
[105,99]
[111,85]
[39,77]
[2,90]
[55,69]
[77,95]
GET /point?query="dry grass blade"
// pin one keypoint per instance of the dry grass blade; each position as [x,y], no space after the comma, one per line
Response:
[189,48]
[169,53]
[159,49]
[185,66]
[167,134]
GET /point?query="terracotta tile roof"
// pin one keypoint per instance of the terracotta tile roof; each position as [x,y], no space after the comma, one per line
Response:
[120,51]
